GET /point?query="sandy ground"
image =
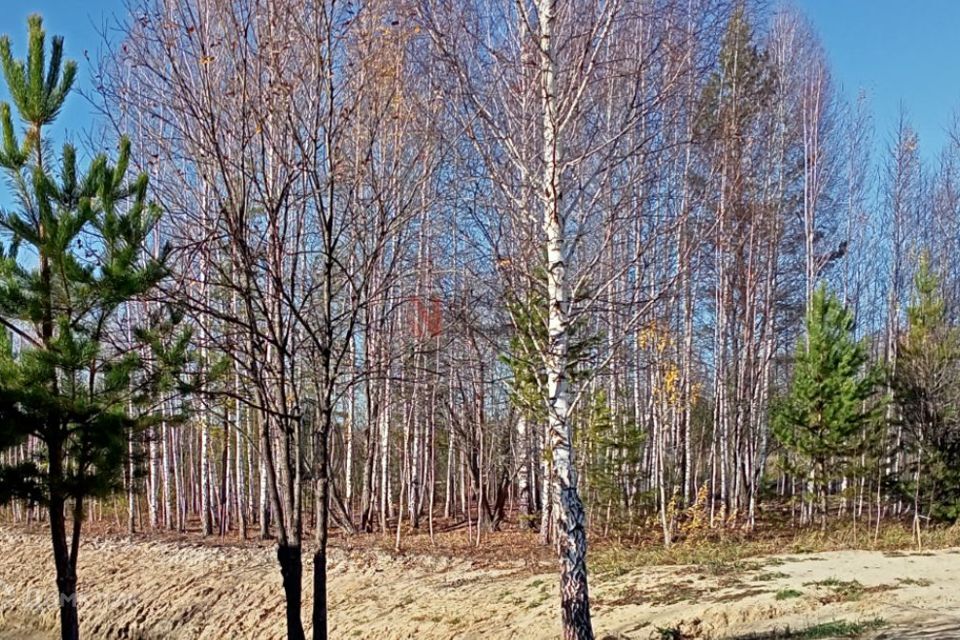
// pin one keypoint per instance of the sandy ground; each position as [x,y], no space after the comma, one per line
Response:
[154,590]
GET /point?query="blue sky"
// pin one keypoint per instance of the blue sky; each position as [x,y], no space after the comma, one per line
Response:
[79,22]
[896,50]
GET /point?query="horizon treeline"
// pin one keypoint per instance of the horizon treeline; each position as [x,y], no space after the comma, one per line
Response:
[578,268]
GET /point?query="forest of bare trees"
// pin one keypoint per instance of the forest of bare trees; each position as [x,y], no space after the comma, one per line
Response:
[536,265]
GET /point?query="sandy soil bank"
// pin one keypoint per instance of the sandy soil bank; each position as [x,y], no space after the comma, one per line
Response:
[163,590]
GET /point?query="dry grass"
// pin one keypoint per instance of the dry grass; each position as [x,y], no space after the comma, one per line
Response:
[716,551]
[734,551]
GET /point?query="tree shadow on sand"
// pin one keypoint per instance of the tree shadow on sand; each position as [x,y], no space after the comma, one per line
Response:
[938,629]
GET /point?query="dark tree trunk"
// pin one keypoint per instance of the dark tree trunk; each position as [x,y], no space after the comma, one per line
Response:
[263,434]
[498,512]
[322,469]
[574,597]
[69,621]
[320,593]
[66,573]
[320,556]
[366,498]
[340,513]
[65,561]
[291,569]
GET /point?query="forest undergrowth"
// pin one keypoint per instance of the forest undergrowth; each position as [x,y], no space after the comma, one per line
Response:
[613,552]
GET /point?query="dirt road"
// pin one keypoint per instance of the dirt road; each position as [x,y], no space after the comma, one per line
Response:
[163,590]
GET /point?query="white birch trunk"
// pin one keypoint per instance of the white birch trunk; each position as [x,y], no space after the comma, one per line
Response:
[574,595]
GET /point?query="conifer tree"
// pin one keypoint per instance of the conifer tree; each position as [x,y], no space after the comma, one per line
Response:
[926,388]
[831,396]
[527,388]
[76,376]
